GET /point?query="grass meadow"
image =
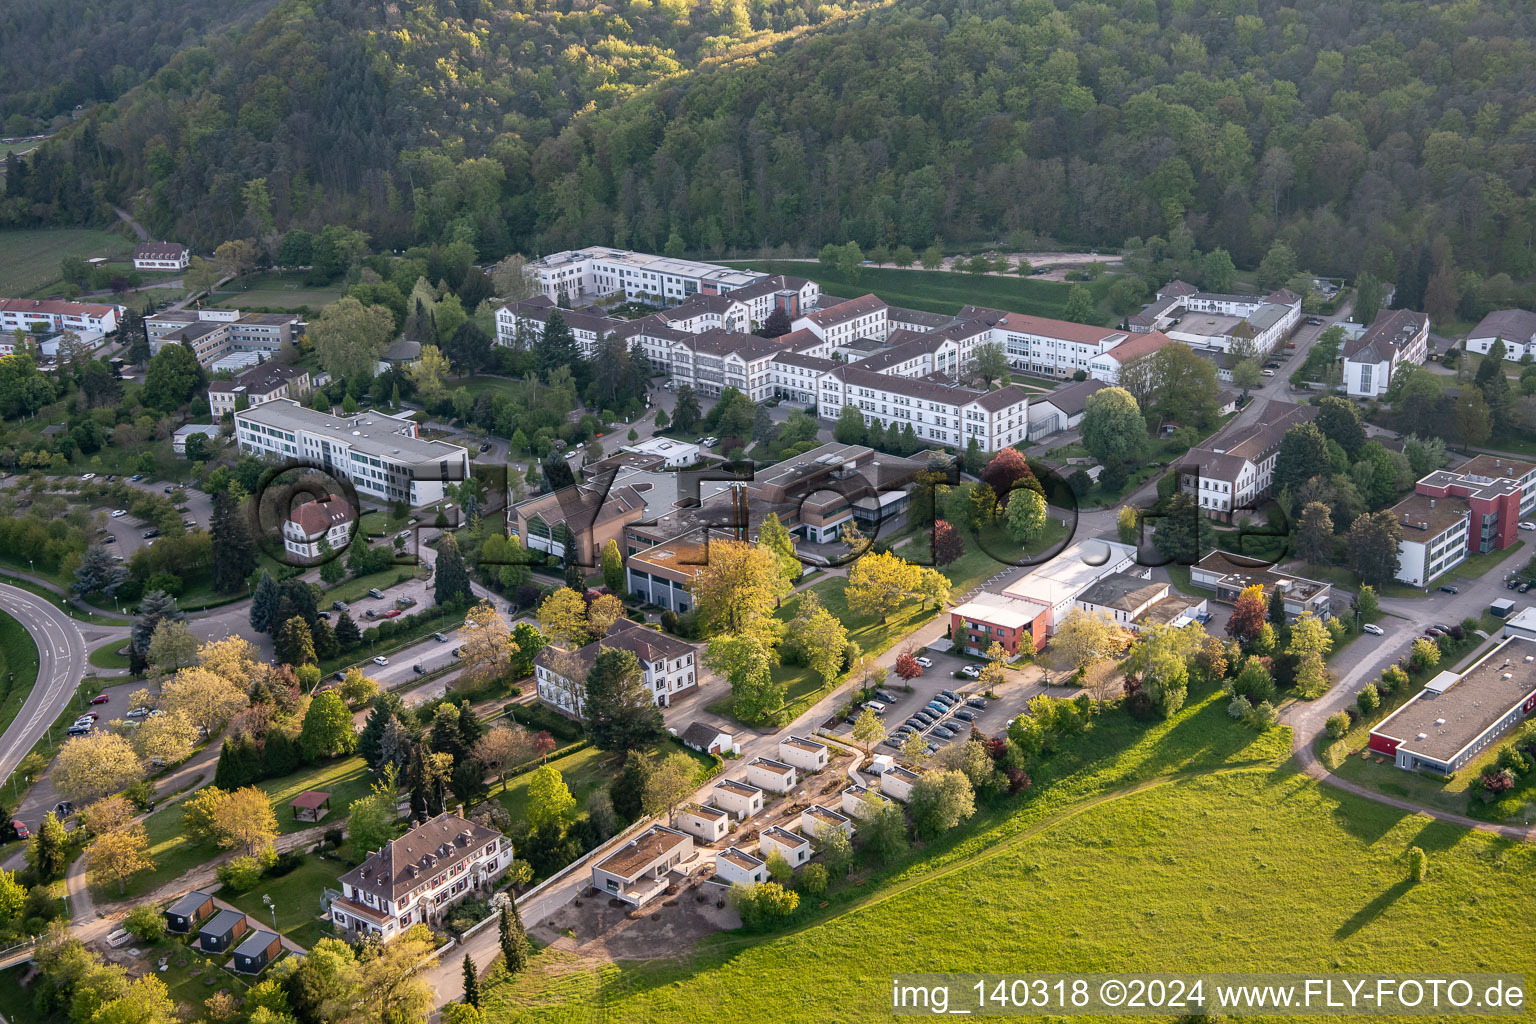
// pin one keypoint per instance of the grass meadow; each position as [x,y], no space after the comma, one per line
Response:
[1182,845]
[29,260]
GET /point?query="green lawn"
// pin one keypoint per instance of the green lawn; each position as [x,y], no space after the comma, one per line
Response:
[1475,566]
[943,291]
[59,603]
[106,656]
[29,260]
[18,668]
[993,552]
[583,771]
[296,894]
[1180,837]
[174,854]
[277,290]
[350,590]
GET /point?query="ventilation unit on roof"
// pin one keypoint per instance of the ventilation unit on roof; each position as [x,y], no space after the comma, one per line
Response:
[1423,735]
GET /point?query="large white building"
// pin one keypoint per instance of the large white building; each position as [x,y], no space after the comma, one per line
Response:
[670,667]
[1395,338]
[1221,322]
[599,270]
[383,455]
[214,334]
[417,878]
[938,413]
[161,256]
[1235,469]
[79,317]
[1435,535]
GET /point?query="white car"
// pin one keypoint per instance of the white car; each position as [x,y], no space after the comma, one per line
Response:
[381,660]
[89,476]
[1373,629]
[138,713]
[119,513]
[1266,373]
[971,672]
[925,662]
[1528,526]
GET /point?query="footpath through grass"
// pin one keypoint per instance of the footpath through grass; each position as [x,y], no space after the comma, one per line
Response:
[1189,837]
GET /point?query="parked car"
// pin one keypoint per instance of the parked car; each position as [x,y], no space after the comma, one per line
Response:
[894,742]
[875,706]
[916,723]
[965,716]
[1313,321]
[456,651]
[1449,590]
[63,809]
[1373,629]
[170,490]
[971,672]
[340,677]
[138,713]
[339,606]
[885,696]
[89,476]
[980,703]
[1272,365]
[1266,373]
[1522,588]
[101,699]
[20,828]
[925,718]
[1528,526]
[323,615]
[190,524]
[380,660]
[951,694]
[375,592]
[136,477]
[78,730]
[946,699]
[485,447]
[109,539]
[89,716]
[393,612]
[118,513]
[943,732]
[1511,584]
[151,534]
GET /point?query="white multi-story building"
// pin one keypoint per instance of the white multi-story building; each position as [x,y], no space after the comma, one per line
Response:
[1436,531]
[1210,320]
[1395,338]
[265,382]
[161,256]
[416,879]
[79,317]
[599,270]
[330,518]
[1235,469]
[938,413]
[382,455]
[670,667]
[214,334]
[863,317]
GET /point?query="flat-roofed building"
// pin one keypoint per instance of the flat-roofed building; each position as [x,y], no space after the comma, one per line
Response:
[383,455]
[1054,585]
[805,754]
[710,824]
[639,871]
[1435,534]
[1457,717]
[739,798]
[817,818]
[1500,491]
[1229,575]
[736,866]
[792,846]
[600,270]
[859,801]
[897,782]
[773,776]
[991,618]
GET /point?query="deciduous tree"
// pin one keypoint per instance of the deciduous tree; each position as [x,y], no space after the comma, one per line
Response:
[878,584]
[92,766]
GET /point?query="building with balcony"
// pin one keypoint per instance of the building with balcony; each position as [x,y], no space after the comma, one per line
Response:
[669,665]
[55,315]
[416,879]
[641,870]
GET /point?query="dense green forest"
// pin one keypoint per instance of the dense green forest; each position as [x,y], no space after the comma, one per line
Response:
[1361,134]
[69,53]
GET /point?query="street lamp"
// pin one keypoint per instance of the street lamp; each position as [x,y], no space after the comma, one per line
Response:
[267,900]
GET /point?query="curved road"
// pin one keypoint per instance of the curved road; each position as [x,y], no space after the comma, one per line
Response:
[61,665]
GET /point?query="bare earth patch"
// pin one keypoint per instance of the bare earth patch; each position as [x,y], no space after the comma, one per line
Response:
[599,928]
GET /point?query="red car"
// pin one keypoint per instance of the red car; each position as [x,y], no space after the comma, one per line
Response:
[22,832]
[100,700]
[391,613]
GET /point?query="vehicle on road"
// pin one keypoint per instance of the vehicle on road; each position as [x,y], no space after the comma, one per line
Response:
[1449,590]
[100,699]
[20,828]
[485,447]
[418,670]
[440,638]
[1373,629]
[89,476]
[925,662]
[340,677]
[118,513]
[456,651]
[380,660]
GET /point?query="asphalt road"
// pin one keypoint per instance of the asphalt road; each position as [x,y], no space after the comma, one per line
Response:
[62,662]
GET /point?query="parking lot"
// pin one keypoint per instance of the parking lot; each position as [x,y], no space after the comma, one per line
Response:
[1020,687]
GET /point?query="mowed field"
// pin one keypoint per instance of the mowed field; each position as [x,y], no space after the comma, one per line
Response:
[1192,848]
[277,290]
[941,291]
[29,260]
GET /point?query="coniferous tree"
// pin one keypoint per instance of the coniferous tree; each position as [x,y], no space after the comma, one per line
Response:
[471,983]
[348,635]
[155,607]
[450,576]
[514,940]
[234,553]
[264,604]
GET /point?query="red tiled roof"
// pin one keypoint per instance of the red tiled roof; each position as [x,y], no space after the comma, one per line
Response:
[317,517]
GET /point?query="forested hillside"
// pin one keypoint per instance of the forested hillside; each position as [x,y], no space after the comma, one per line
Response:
[68,53]
[1363,134]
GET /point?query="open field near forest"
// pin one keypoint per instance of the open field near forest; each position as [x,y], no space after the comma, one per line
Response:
[29,260]
[942,291]
[1183,846]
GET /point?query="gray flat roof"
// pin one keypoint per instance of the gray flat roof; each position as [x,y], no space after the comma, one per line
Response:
[1439,725]
[373,433]
[254,943]
[222,922]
